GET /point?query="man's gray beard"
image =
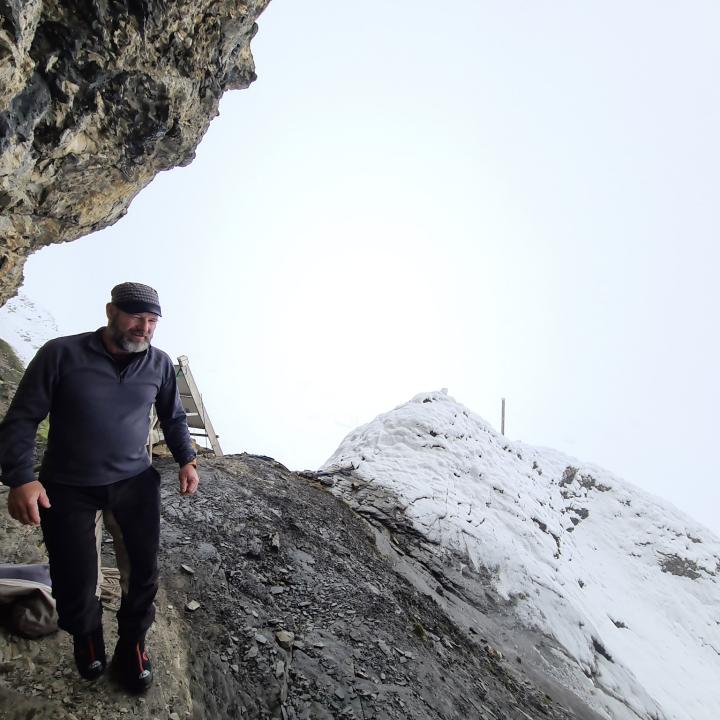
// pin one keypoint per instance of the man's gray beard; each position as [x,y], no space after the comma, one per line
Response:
[123,343]
[132,347]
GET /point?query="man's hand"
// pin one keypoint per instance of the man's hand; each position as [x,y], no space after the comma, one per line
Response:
[189,479]
[23,502]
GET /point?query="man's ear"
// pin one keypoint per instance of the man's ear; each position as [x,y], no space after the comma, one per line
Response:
[110,311]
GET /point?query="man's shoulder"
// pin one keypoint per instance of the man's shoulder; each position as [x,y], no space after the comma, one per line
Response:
[78,339]
[159,355]
[160,359]
[67,341]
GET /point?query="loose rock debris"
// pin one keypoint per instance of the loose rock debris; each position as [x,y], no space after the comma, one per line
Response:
[302,619]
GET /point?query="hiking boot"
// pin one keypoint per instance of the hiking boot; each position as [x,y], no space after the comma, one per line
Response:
[89,653]
[132,667]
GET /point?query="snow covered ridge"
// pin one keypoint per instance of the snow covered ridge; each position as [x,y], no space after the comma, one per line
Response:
[25,326]
[627,584]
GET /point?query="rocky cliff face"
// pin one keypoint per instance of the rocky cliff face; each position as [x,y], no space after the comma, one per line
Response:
[96,98]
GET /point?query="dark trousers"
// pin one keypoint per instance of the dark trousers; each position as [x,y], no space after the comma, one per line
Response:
[69,532]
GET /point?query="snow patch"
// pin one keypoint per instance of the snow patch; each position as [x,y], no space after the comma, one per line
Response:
[627,584]
[25,326]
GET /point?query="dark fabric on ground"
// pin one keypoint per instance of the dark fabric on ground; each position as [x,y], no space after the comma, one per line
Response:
[39,572]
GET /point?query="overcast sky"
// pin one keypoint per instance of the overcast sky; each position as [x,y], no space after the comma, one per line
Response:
[513,199]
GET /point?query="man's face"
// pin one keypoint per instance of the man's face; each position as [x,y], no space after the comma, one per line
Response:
[131,332]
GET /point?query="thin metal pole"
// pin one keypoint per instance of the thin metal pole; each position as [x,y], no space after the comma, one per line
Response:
[502,419]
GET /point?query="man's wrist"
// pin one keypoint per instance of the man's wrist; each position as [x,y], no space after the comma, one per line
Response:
[17,482]
[192,461]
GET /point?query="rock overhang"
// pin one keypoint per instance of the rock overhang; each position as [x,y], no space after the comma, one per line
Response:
[96,98]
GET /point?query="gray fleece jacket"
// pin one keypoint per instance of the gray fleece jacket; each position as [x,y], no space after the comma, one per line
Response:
[99,414]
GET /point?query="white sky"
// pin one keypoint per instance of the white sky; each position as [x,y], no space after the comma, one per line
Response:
[510,199]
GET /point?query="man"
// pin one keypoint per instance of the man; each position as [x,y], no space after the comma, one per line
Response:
[98,389]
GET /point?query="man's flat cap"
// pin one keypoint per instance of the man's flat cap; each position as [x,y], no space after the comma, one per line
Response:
[135,298]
